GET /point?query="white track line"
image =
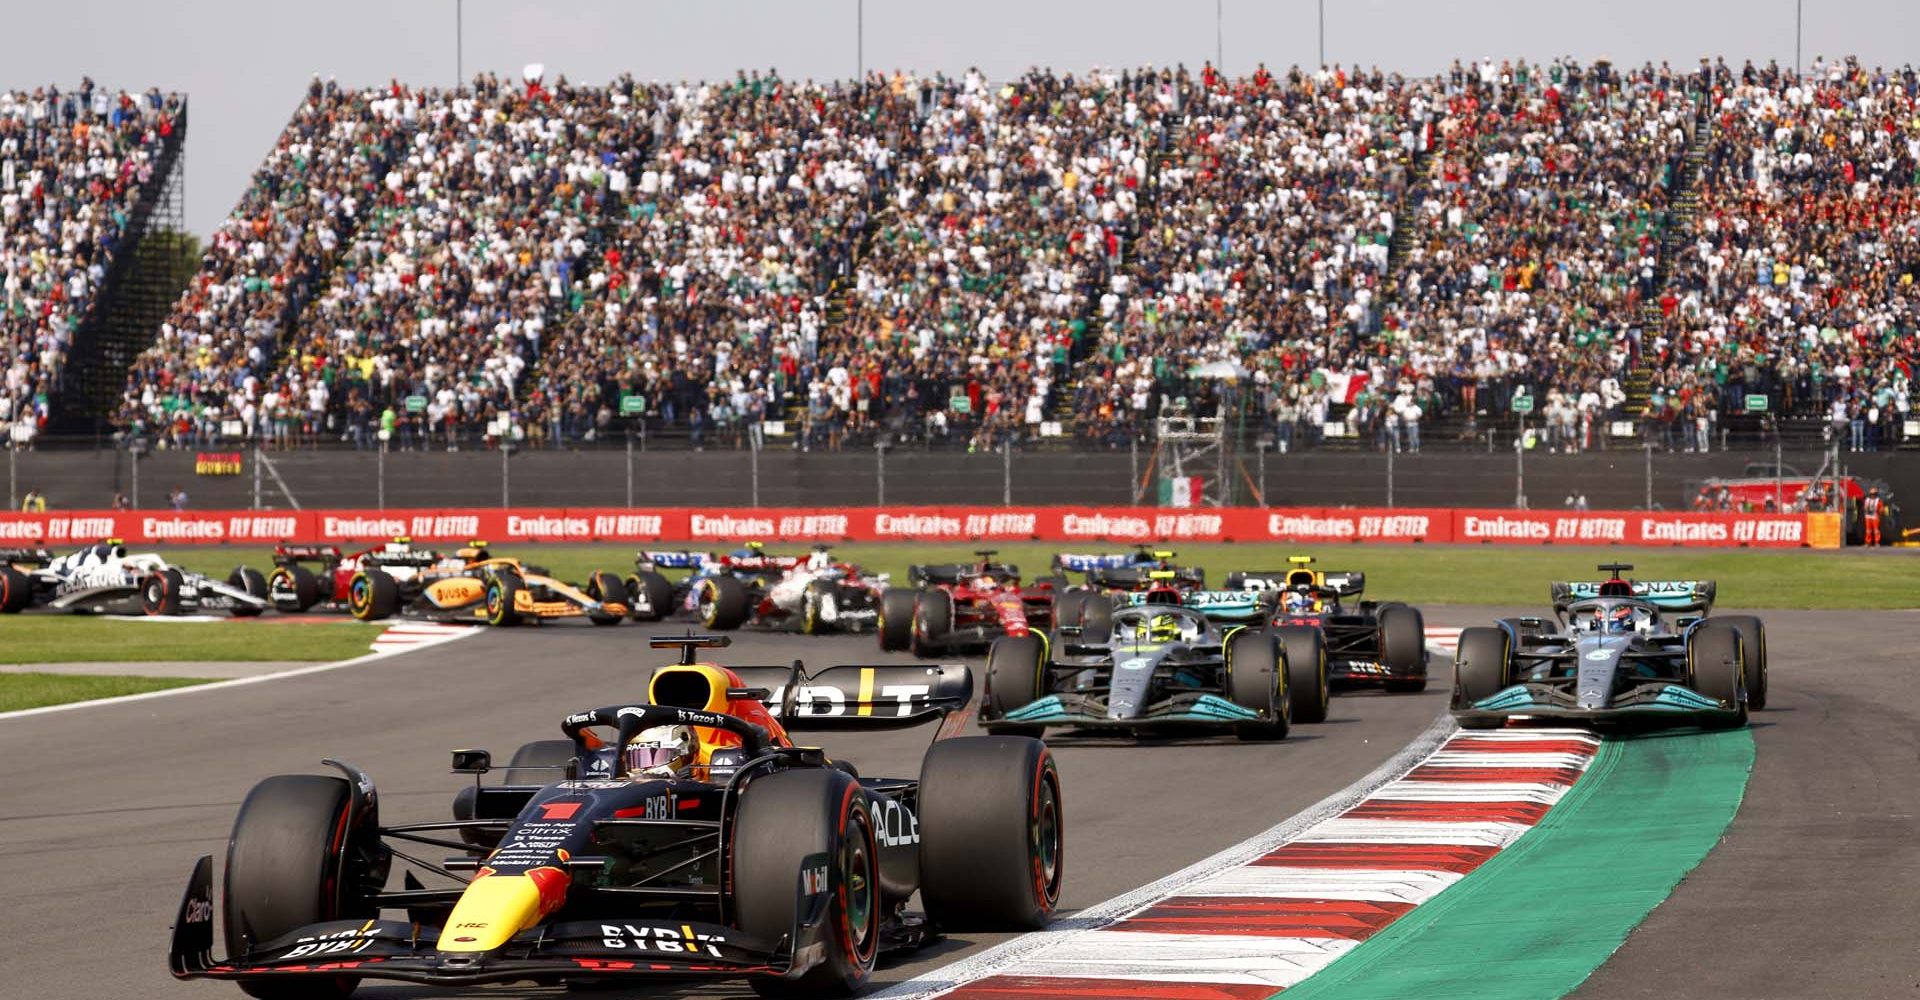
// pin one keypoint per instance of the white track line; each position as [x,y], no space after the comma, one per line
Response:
[379,653]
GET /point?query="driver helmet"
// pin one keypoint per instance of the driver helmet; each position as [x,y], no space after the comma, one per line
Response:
[1163,628]
[1620,619]
[1299,601]
[984,583]
[661,752]
[820,560]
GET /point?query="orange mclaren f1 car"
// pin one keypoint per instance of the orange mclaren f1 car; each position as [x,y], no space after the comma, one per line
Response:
[487,589]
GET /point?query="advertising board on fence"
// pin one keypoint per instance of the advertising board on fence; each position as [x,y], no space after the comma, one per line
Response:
[1112,525]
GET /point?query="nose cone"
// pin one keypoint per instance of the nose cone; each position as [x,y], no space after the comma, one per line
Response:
[496,907]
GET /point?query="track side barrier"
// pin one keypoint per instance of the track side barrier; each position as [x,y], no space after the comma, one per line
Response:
[922,524]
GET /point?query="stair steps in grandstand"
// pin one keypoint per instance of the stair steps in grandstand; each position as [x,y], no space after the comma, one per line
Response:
[1403,228]
[1683,207]
[133,299]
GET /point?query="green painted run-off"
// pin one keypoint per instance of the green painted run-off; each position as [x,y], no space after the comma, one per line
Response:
[1539,918]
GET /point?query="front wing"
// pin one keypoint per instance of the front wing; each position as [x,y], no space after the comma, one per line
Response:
[1093,711]
[1648,704]
[399,950]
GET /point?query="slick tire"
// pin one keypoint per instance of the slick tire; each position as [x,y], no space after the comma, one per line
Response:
[1753,635]
[1307,677]
[293,588]
[1257,679]
[649,596]
[16,590]
[252,581]
[932,622]
[1016,665]
[282,868]
[820,595]
[373,594]
[1096,619]
[605,586]
[160,594]
[533,763]
[1403,648]
[896,620]
[992,834]
[503,588]
[722,602]
[1717,659]
[792,821]
[1482,668]
[1067,607]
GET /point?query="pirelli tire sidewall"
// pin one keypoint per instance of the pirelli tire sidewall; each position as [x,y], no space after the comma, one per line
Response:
[792,824]
[373,594]
[992,834]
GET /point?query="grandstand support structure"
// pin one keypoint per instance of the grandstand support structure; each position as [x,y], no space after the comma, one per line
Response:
[1186,445]
[140,286]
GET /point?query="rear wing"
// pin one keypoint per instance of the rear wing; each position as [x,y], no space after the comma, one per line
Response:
[287,555]
[1344,584]
[659,560]
[1224,606]
[1081,562]
[1140,576]
[1670,595]
[26,557]
[953,574]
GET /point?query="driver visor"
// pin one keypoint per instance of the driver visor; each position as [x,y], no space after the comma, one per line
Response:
[643,756]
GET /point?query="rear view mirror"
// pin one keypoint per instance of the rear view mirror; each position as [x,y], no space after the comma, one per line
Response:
[472,762]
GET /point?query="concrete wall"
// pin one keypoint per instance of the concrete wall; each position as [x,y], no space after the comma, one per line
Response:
[725,478]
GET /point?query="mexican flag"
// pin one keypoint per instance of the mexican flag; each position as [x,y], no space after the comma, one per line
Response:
[1342,387]
[1180,491]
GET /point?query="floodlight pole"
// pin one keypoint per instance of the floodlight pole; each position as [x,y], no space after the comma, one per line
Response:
[459,42]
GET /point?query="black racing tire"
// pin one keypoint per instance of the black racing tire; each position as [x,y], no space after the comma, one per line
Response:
[1717,661]
[1258,678]
[503,587]
[1753,634]
[722,602]
[283,873]
[538,758]
[160,592]
[817,592]
[932,622]
[1307,675]
[16,590]
[787,818]
[992,834]
[1096,619]
[1403,648]
[294,588]
[1067,608]
[605,586]
[1482,668]
[373,594]
[1016,668]
[649,596]
[896,619]
[252,581]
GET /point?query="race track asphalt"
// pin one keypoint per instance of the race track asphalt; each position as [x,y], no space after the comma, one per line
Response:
[1814,893]
[105,809]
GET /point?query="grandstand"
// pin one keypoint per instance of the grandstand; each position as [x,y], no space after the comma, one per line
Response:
[1596,255]
[86,176]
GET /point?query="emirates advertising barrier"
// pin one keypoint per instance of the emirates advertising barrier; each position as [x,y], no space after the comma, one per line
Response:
[1111,525]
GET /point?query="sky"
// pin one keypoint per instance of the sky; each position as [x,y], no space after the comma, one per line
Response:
[245,65]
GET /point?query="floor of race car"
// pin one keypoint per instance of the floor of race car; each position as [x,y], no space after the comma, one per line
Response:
[106,808]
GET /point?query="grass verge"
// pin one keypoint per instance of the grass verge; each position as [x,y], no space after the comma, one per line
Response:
[35,638]
[19,691]
[1421,574]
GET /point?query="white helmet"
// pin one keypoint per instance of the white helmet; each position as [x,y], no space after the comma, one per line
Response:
[661,752]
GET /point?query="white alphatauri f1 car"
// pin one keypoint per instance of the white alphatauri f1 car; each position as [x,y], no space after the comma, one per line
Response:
[106,579]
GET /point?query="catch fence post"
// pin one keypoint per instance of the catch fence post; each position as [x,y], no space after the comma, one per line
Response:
[1006,473]
[753,446]
[505,443]
[380,473]
[134,450]
[629,467]
[13,490]
[1649,447]
[880,472]
[1520,467]
[256,475]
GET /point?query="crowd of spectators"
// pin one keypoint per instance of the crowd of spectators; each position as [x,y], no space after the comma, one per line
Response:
[969,261]
[1797,281]
[72,167]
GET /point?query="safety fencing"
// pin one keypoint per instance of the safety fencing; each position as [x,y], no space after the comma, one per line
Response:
[933,524]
